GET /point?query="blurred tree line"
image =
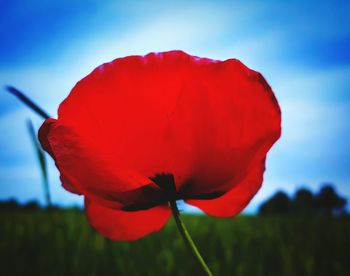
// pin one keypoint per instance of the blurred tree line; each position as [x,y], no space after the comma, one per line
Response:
[13,204]
[325,202]
[32,205]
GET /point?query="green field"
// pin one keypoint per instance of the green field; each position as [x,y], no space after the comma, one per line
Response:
[62,243]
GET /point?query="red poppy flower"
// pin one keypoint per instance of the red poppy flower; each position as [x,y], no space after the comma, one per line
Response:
[143,130]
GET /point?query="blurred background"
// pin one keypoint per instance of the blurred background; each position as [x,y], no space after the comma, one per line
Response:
[297,224]
[301,47]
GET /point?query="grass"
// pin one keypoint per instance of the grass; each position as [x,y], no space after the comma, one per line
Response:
[62,243]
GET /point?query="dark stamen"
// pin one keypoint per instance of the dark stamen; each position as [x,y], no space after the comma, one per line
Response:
[167,183]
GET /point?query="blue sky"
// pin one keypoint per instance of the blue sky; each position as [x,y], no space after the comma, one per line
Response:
[301,47]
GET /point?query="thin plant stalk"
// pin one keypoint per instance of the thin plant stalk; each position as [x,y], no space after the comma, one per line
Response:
[28,102]
[39,152]
[187,238]
[42,163]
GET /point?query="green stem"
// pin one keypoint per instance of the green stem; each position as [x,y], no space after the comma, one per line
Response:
[187,238]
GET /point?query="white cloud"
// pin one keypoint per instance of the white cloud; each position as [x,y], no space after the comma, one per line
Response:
[186,29]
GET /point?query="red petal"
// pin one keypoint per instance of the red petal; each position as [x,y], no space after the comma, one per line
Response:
[86,168]
[237,198]
[242,123]
[202,120]
[124,225]
[43,135]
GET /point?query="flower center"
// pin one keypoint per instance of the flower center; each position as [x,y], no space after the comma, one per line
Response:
[167,193]
[166,182]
